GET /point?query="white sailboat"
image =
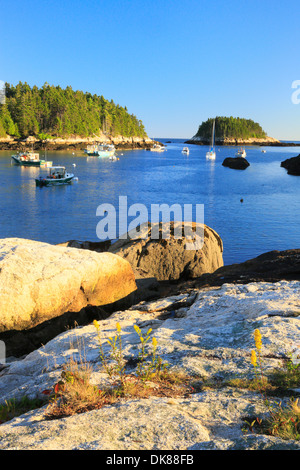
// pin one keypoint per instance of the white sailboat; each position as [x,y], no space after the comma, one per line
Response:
[211,154]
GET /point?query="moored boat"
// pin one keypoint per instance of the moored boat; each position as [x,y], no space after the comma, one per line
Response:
[29,159]
[157,148]
[185,150]
[92,150]
[57,176]
[241,153]
[101,150]
[211,154]
[106,150]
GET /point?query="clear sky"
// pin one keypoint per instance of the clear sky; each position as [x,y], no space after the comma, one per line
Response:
[173,63]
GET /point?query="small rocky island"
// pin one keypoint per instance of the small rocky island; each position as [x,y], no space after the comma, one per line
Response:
[232,131]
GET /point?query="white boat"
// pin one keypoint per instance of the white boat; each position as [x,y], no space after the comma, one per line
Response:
[241,153]
[185,150]
[29,159]
[211,154]
[100,150]
[106,150]
[263,151]
[56,177]
[157,148]
[91,150]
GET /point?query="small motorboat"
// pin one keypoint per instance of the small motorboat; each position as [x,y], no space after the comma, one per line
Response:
[113,158]
[157,148]
[92,150]
[56,177]
[185,150]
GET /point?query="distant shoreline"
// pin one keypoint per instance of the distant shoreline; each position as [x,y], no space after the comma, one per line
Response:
[121,143]
[75,143]
[238,143]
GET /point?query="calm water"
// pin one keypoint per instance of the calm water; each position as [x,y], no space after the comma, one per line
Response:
[268,219]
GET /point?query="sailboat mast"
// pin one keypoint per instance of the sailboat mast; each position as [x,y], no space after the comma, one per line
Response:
[213,135]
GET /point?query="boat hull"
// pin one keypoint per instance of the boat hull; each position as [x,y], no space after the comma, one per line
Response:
[31,163]
[25,162]
[105,153]
[211,155]
[91,154]
[52,182]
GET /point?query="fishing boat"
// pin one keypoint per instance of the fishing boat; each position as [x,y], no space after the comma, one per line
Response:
[92,150]
[185,150]
[56,177]
[29,159]
[241,153]
[211,154]
[100,150]
[106,150]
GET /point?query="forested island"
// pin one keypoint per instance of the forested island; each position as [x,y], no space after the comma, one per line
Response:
[51,112]
[231,131]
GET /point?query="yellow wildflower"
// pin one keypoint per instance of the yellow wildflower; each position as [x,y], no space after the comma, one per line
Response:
[137,329]
[118,327]
[253,358]
[96,324]
[257,338]
[295,406]
[154,342]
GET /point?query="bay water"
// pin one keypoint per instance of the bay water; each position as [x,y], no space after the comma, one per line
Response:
[254,211]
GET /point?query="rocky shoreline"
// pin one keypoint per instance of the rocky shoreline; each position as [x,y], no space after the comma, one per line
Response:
[75,143]
[203,316]
[145,272]
[207,333]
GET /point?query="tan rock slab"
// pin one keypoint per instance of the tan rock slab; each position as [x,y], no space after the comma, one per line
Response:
[39,281]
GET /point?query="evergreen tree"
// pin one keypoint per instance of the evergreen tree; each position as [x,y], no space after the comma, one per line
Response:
[232,128]
[63,112]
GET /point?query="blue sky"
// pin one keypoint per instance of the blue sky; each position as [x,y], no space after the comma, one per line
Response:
[172,63]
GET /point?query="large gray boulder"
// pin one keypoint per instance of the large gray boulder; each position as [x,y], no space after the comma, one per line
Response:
[172,258]
[39,281]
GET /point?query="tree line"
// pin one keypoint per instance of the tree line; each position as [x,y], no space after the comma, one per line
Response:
[57,112]
[230,127]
